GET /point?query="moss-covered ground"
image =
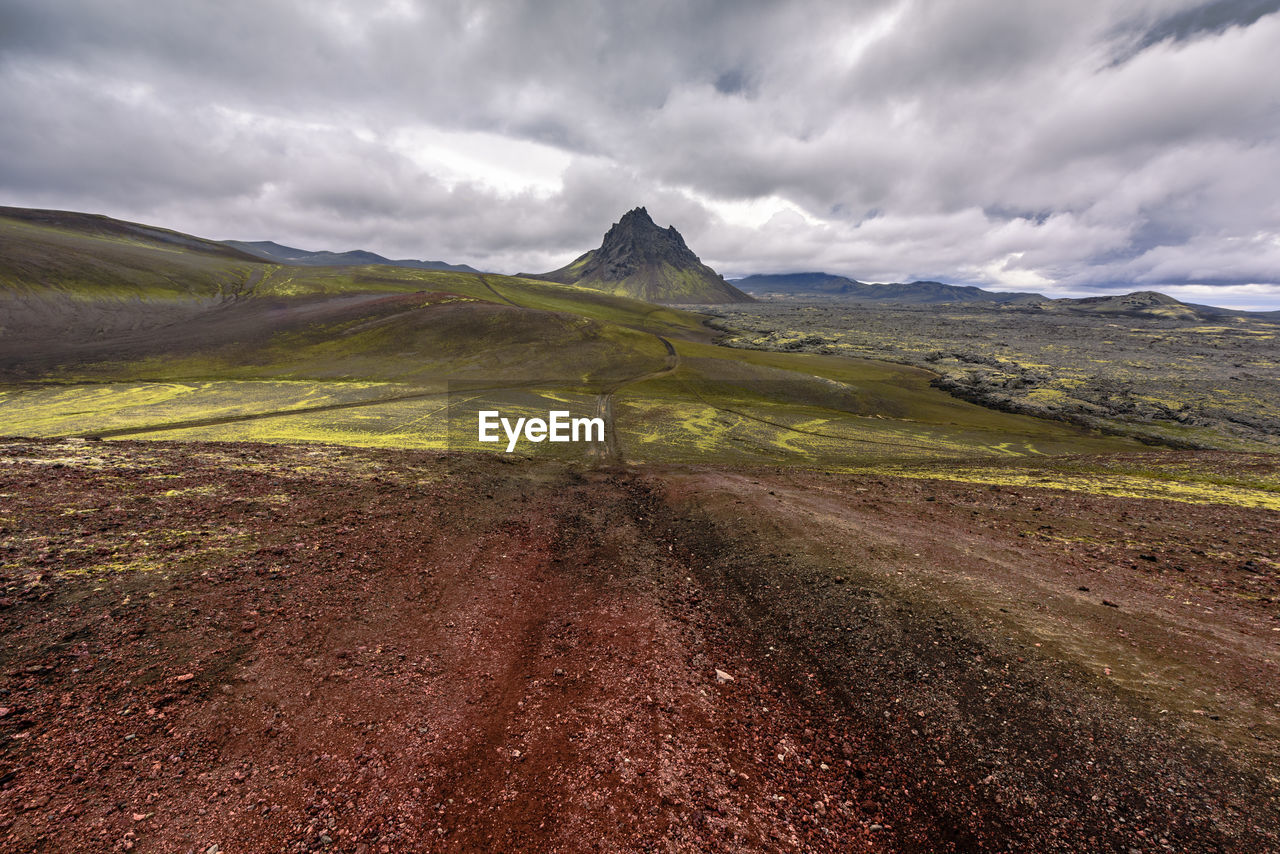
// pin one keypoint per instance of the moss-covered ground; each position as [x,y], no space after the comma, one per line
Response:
[392,357]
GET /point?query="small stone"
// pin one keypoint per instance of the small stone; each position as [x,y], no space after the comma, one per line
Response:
[559,671]
[876,827]
[723,677]
[819,807]
[36,803]
[186,677]
[213,849]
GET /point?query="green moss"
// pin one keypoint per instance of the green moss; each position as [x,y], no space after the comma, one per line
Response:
[1101,477]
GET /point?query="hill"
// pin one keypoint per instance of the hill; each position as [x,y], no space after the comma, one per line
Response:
[88,254]
[104,228]
[641,260]
[1142,304]
[271,251]
[80,289]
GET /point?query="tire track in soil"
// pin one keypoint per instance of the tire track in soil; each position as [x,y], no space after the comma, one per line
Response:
[496,293]
[542,771]
[493,607]
[509,643]
[252,416]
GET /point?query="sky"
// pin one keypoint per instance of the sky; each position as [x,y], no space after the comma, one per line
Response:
[1070,147]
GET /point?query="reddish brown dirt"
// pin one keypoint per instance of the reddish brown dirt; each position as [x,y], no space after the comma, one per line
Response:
[290,649]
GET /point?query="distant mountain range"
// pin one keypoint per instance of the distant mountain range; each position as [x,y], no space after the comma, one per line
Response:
[1138,303]
[636,259]
[800,284]
[271,251]
[640,260]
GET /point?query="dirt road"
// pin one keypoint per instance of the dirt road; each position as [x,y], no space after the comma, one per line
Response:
[293,649]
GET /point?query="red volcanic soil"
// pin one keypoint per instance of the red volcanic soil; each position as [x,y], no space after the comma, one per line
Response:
[244,648]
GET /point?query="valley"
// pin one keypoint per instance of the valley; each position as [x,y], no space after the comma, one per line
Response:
[263,588]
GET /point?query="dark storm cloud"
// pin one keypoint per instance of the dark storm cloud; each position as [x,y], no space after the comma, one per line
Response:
[1050,145]
[1206,18]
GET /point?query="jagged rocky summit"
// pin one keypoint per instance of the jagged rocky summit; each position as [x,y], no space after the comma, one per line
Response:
[639,259]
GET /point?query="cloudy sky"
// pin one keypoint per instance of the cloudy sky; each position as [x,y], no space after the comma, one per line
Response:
[1065,146]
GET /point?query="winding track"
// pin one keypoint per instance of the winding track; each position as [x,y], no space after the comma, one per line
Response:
[612,452]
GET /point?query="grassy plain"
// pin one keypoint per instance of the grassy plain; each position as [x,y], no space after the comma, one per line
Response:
[1169,380]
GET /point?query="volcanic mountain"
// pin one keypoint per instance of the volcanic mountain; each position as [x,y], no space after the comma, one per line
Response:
[639,259]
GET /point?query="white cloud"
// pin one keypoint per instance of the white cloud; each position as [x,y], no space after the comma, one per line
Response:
[1061,147]
[1244,297]
[503,164]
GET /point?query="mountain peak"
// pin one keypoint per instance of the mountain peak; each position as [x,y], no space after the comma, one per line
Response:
[638,215]
[639,259]
[638,219]
[636,240]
